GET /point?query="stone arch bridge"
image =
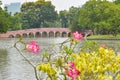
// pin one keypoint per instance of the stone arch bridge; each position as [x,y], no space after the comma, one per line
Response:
[38,32]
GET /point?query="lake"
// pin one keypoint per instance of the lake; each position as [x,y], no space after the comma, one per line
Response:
[14,67]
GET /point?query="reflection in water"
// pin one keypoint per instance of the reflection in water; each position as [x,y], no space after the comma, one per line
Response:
[3,61]
[14,67]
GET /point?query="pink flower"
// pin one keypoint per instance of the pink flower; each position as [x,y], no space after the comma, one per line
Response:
[77,35]
[72,71]
[72,65]
[77,72]
[33,47]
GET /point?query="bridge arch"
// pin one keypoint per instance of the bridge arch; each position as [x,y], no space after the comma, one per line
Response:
[44,34]
[51,34]
[17,35]
[69,34]
[57,34]
[37,34]
[11,36]
[64,34]
[31,35]
[24,35]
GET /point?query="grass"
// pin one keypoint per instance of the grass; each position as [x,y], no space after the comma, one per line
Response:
[104,36]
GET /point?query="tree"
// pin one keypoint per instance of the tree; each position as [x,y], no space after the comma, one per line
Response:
[4,21]
[73,18]
[117,1]
[28,15]
[0,2]
[15,22]
[47,12]
[87,15]
[115,19]
[99,16]
[63,16]
[37,14]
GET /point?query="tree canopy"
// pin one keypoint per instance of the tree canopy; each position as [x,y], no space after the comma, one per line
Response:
[4,21]
[117,1]
[37,14]
[101,16]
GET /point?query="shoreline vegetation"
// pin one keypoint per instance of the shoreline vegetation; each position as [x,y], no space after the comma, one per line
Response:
[104,37]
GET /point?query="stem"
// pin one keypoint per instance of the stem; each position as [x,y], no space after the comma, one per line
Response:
[65,77]
[67,40]
[36,73]
[26,59]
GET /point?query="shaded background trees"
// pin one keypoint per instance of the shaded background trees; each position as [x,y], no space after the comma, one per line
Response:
[101,16]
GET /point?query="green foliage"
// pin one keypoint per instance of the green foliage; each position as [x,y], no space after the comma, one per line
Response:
[102,17]
[63,16]
[69,18]
[104,36]
[37,14]
[15,22]
[73,18]
[117,1]
[4,21]
[8,22]
[90,46]
[0,2]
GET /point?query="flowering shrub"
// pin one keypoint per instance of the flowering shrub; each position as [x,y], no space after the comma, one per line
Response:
[90,63]
[99,65]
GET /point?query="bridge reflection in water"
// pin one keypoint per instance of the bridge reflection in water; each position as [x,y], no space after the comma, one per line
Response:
[38,32]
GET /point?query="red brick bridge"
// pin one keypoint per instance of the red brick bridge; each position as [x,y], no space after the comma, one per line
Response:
[38,32]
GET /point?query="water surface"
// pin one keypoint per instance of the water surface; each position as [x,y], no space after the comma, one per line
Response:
[14,67]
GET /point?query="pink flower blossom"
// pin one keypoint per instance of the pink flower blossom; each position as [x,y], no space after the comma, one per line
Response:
[77,35]
[76,72]
[72,71]
[72,65]
[33,47]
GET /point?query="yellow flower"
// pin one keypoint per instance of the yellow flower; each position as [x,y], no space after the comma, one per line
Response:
[45,67]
